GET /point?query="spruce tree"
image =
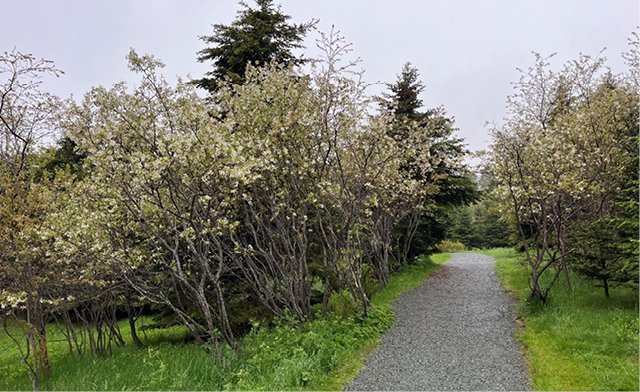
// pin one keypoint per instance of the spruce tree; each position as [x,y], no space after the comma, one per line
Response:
[403,97]
[455,187]
[257,36]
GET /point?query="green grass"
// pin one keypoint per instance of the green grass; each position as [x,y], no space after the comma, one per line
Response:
[580,340]
[409,277]
[73,372]
[324,354]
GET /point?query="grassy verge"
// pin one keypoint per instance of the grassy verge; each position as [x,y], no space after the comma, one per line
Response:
[351,363]
[580,340]
[325,354]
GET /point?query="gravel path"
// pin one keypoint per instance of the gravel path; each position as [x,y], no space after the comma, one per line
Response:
[453,332]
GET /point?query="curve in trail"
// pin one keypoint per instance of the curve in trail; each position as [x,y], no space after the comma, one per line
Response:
[453,332]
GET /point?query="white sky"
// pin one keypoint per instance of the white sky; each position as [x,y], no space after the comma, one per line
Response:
[466,50]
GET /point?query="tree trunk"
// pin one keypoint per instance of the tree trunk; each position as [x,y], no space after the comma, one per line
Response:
[32,344]
[605,283]
[227,332]
[565,274]
[326,291]
[34,384]
[132,324]
[39,339]
[43,352]
[536,290]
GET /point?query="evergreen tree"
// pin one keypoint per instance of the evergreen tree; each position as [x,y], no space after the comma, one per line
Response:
[404,95]
[491,231]
[463,228]
[63,157]
[596,253]
[257,36]
[605,240]
[455,188]
[479,225]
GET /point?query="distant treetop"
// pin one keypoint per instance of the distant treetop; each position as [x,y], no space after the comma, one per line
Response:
[404,94]
[257,36]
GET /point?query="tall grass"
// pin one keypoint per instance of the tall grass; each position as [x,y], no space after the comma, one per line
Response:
[580,340]
[323,354]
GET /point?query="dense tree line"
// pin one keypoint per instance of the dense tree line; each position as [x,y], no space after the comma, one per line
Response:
[480,225]
[284,187]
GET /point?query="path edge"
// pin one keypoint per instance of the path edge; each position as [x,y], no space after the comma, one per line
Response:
[343,375]
[514,304]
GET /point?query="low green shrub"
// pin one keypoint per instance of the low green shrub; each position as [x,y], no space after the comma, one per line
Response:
[447,246]
[290,357]
[341,305]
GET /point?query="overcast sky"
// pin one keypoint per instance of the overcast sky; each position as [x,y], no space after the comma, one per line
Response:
[467,51]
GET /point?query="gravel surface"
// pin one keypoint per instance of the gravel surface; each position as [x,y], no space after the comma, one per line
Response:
[453,332]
